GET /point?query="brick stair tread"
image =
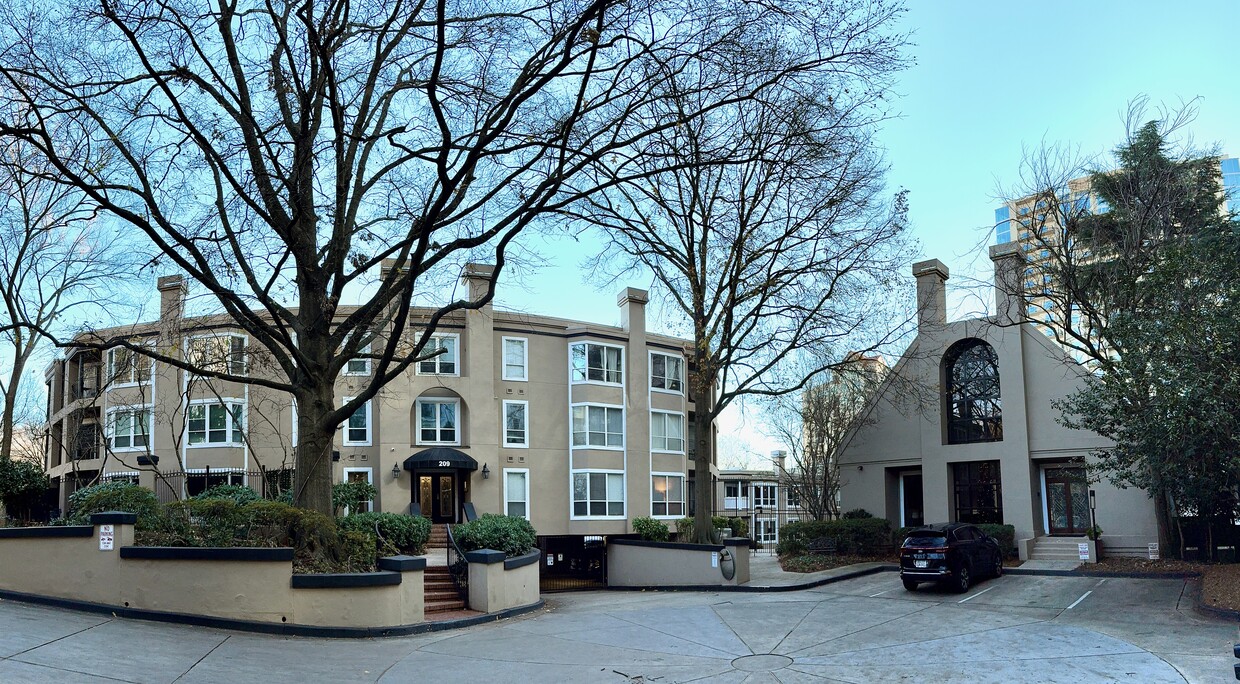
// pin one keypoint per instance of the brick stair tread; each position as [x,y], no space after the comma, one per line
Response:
[443,606]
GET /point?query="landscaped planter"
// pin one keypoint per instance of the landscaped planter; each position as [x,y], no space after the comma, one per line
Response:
[498,583]
[637,563]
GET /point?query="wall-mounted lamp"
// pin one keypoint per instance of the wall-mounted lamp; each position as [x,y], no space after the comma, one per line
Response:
[395,470]
[486,472]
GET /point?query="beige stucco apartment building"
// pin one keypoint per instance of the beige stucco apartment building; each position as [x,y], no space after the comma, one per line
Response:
[983,444]
[578,426]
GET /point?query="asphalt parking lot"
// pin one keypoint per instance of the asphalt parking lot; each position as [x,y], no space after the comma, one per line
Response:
[869,629]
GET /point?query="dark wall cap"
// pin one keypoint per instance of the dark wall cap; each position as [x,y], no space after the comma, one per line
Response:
[113,518]
[678,546]
[522,560]
[402,563]
[148,460]
[485,556]
[240,553]
[47,532]
[347,580]
[736,541]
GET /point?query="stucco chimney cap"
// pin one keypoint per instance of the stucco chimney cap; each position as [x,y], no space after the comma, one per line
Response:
[930,267]
[1007,250]
[484,271]
[632,294]
[170,282]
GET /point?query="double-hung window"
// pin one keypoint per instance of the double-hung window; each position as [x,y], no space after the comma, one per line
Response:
[357,428]
[598,494]
[127,367]
[129,429]
[667,431]
[516,424]
[516,358]
[446,362]
[437,421]
[667,495]
[667,372]
[215,424]
[517,492]
[597,363]
[223,353]
[359,365]
[598,426]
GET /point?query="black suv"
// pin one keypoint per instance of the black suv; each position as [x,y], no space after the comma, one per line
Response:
[948,552]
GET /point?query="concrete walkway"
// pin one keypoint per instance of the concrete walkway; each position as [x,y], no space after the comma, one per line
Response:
[764,571]
[1020,629]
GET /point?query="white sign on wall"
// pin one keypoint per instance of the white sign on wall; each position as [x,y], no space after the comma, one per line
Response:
[1082,550]
[106,537]
[1154,555]
[714,560]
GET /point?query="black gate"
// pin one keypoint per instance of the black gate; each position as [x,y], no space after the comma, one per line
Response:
[572,563]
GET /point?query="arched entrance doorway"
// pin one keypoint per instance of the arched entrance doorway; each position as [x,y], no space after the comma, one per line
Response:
[440,482]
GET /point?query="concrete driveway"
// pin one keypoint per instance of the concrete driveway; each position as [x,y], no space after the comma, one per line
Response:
[1015,629]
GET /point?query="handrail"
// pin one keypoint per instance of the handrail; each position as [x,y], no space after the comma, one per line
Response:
[458,566]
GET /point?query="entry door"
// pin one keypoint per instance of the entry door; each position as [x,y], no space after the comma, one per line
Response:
[911,503]
[1067,501]
[437,497]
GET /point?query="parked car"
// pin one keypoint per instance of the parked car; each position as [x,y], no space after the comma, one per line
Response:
[953,553]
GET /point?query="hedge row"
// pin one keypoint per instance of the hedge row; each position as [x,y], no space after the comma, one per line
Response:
[512,535]
[867,536]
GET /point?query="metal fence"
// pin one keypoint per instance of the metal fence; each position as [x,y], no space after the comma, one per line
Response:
[176,486]
[572,563]
[762,524]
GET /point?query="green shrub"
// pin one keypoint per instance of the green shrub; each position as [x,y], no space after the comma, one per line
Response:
[857,514]
[401,533]
[351,495]
[851,535]
[1005,535]
[357,552]
[206,522]
[651,529]
[898,535]
[114,496]
[238,494]
[512,535]
[736,527]
[22,483]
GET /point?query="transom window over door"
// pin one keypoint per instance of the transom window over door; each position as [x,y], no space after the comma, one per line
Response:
[437,421]
[597,363]
[974,413]
[979,492]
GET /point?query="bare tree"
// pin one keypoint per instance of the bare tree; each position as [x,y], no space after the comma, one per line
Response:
[770,237]
[55,264]
[279,153]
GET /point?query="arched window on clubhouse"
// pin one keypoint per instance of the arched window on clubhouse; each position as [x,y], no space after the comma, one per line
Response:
[971,374]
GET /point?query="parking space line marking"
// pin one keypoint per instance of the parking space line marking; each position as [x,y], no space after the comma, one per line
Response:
[977,594]
[880,593]
[1083,596]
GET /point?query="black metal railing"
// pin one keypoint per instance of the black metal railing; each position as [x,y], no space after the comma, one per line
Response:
[572,563]
[458,567]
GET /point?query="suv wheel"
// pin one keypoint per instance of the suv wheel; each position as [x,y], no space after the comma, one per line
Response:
[910,585]
[998,566]
[963,580]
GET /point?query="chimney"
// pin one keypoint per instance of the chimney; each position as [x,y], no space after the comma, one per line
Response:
[478,277]
[1009,263]
[632,303]
[931,278]
[172,292]
[778,457]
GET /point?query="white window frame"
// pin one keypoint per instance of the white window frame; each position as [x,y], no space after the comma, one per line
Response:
[684,507]
[369,426]
[234,440]
[418,420]
[764,502]
[587,380]
[228,370]
[109,428]
[605,447]
[135,378]
[525,358]
[364,361]
[438,360]
[683,373]
[523,471]
[757,524]
[370,479]
[572,502]
[525,439]
[663,415]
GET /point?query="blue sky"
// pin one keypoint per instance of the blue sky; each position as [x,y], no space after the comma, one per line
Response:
[992,79]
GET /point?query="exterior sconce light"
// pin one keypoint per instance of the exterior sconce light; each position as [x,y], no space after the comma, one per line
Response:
[395,470]
[486,472]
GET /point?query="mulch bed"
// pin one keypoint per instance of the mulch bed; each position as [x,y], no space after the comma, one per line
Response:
[1121,564]
[812,562]
[1220,588]
[1220,583]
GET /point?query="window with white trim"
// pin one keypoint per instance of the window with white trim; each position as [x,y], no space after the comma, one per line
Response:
[517,492]
[516,424]
[598,426]
[667,495]
[357,427]
[667,431]
[667,372]
[437,421]
[445,363]
[215,424]
[218,353]
[129,429]
[598,494]
[593,362]
[127,367]
[516,358]
[764,495]
[358,365]
[766,532]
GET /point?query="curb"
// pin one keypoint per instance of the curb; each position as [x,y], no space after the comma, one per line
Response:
[1195,589]
[1099,573]
[744,589]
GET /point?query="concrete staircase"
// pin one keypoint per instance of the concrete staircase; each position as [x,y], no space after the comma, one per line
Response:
[1056,549]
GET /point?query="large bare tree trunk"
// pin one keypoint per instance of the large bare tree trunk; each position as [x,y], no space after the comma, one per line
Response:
[10,407]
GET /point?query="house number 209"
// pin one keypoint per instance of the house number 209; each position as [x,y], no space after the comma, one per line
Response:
[445,464]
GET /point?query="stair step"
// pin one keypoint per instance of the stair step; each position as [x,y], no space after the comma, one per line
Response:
[444,606]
